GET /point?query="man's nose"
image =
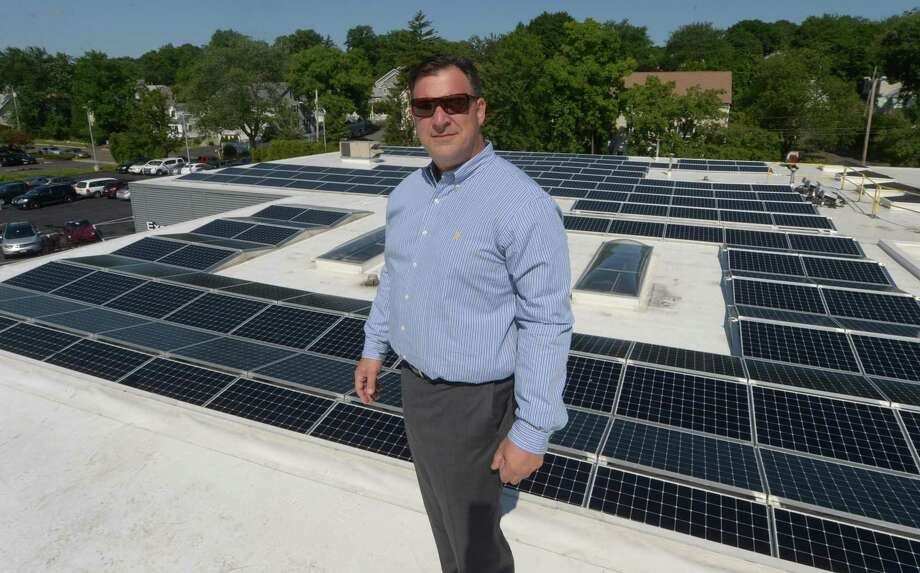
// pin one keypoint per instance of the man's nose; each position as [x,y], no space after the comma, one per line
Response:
[440,118]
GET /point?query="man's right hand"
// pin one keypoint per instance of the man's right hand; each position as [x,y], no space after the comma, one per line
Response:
[366,379]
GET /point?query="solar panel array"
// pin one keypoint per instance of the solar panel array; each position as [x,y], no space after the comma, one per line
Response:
[379,181]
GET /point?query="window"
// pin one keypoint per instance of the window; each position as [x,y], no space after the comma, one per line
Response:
[617,268]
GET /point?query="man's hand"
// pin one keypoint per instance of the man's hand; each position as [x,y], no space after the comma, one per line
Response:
[366,379]
[513,463]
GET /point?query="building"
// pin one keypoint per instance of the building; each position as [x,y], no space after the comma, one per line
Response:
[683,81]
[381,92]
[742,382]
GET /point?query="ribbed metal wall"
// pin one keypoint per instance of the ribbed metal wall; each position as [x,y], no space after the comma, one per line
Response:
[167,205]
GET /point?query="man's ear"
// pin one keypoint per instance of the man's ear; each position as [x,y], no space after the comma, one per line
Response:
[481,111]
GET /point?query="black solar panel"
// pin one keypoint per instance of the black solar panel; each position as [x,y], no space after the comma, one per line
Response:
[682,400]
[330,302]
[599,345]
[872,306]
[154,299]
[687,359]
[98,359]
[178,381]
[803,221]
[693,455]
[321,217]
[777,295]
[6,323]
[694,233]
[287,326]
[99,287]
[821,348]
[366,429]
[216,312]
[158,336]
[639,228]
[768,263]
[899,392]
[751,218]
[346,340]
[267,234]
[780,315]
[591,224]
[597,206]
[232,353]
[280,407]
[93,320]
[559,478]
[758,239]
[198,257]
[582,432]
[723,519]
[591,383]
[38,306]
[851,431]
[849,489]
[845,270]
[822,244]
[309,371]
[889,357]
[266,291]
[48,277]
[207,280]
[836,546]
[9,293]
[149,249]
[812,379]
[223,228]
[34,341]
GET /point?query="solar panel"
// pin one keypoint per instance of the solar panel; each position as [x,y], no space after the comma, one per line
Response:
[330,302]
[872,306]
[149,249]
[694,402]
[366,429]
[207,280]
[849,489]
[872,326]
[9,293]
[889,357]
[639,228]
[158,336]
[266,291]
[777,295]
[904,393]
[645,210]
[599,345]
[280,212]
[583,432]
[814,347]
[104,261]
[780,315]
[759,239]
[836,546]
[683,509]
[559,478]
[694,232]
[232,353]
[152,270]
[198,257]
[267,234]
[591,383]
[267,404]
[48,277]
[34,341]
[223,228]
[784,207]
[729,201]
[589,224]
[99,287]
[816,379]
[680,200]
[99,359]
[677,452]
[846,270]
[851,431]
[597,206]
[154,299]
[217,312]
[751,218]
[821,244]
[6,323]
[346,340]
[287,326]
[321,217]
[38,306]
[93,320]
[804,221]
[687,359]
[769,263]
[178,381]
[309,371]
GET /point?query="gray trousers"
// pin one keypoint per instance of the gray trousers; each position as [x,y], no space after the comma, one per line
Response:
[453,432]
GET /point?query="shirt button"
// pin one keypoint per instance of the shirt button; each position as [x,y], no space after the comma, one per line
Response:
[402,327]
[414,264]
[436,201]
[406,297]
[425,232]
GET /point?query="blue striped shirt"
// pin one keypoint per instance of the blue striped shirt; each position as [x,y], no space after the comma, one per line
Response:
[475,287]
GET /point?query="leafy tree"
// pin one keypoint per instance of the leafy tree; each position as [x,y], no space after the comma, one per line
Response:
[895,138]
[847,42]
[699,46]
[900,51]
[771,37]
[162,66]
[421,30]
[636,44]
[549,27]
[361,38]
[330,70]
[149,133]
[42,83]
[235,84]
[399,128]
[301,40]
[105,86]
[740,139]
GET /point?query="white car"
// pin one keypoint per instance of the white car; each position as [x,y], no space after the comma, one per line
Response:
[92,187]
[195,168]
[167,166]
[136,168]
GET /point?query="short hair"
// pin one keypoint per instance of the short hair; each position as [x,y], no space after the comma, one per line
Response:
[434,64]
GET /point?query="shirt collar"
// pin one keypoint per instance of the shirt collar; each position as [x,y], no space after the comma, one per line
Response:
[462,173]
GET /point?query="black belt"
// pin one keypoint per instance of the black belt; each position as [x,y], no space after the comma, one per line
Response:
[419,373]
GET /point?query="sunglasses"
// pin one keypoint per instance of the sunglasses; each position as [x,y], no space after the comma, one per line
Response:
[452,104]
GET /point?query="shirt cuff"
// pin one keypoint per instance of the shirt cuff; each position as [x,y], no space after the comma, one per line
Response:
[374,350]
[528,438]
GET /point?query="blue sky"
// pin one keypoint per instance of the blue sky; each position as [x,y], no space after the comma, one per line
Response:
[131,27]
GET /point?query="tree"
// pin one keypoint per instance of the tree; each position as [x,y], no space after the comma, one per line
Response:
[42,83]
[332,71]
[105,86]
[739,139]
[235,84]
[149,133]
[899,51]
[699,46]
[895,138]
[162,66]
[848,43]
[549,27]
[301,40]
[421,30]
[636,44]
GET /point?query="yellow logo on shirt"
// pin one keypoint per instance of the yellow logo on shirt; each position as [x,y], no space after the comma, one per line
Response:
[457,236]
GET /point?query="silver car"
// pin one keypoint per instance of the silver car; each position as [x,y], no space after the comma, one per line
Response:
[21,238]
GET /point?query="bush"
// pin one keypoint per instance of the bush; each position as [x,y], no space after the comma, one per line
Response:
[15,139]
[284,148]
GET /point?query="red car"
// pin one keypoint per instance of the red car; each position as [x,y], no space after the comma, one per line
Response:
[111,188]
[81,232]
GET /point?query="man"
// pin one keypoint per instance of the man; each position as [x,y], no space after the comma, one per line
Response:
[474,296]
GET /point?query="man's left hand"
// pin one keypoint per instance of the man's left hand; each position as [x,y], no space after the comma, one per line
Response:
[513,463]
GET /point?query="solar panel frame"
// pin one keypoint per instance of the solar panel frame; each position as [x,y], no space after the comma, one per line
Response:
[178,381]
[267,234]
[799,298]
[346,340]
[560,478]
[872,306]
[591,383]
[905,394]
[586,224]
[39,306]
[637,228]
[889,357]
[217,312]
[35,342]
[150,249]
[158,336]
[684,359]
[796,345]
[48,277]
[818,380]
[583,432]
[231,353]
[758,239]
[600,345]
[99,359]
[154,299]
[272,405]
[366,429]
[847,270]
[696,233]
[99,287]
[287,326]
[841,246]
[223,228]
[314,373]
[766,263]
[92,320]
[199,257]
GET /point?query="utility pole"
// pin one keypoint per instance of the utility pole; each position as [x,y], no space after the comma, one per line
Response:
[16,109]
[90,120]
[871,105]
[188,154]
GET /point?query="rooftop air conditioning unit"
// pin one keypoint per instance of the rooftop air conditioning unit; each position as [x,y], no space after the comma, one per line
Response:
[359,150]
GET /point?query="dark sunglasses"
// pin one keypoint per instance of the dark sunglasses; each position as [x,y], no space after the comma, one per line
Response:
[452,104]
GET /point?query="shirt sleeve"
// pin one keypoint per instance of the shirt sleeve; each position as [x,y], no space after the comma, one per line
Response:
[376,329]
[537,258]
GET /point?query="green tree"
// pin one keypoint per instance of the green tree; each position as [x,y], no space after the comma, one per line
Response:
[149,133]
[105,86]
[895,138]
[848,43]
[235,84]
[549,27]
[899,51]
[636,44]
[42,83]
[698,46]
[300,40]
[162,66]
[332,71]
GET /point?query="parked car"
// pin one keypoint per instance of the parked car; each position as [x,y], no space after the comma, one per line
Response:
[24,158]
[167,166]
[124,193]
[125,166]
[92,187]
[196,167]
[21,238]
[45,195]
[112,188]
[11,190]
[57,180]
[81,231]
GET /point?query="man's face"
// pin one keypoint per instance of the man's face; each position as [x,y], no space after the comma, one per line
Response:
[451,140]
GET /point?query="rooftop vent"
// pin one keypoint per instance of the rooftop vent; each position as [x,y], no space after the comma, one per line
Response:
[359,150]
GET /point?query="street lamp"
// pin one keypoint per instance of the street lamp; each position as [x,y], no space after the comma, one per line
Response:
[90,120]
[188,154]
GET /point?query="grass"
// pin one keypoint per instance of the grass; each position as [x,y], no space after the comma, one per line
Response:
[69,172]
[67,142]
